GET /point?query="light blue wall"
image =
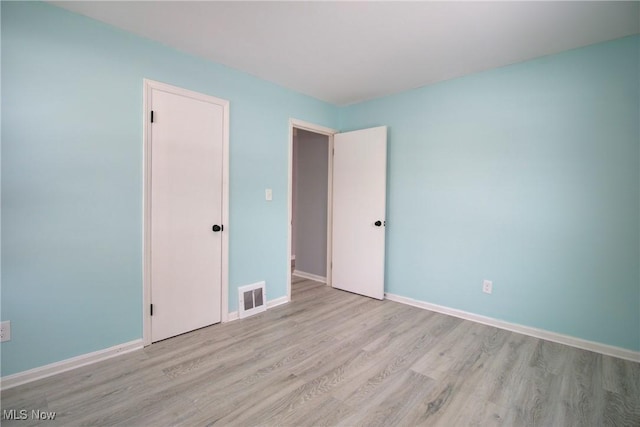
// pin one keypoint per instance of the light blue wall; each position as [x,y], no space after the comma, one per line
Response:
[72,178]
[526,175]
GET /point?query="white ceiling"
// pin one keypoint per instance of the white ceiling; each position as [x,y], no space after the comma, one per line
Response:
[346,52]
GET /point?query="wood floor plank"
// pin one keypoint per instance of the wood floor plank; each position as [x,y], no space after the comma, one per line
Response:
[389,361]
[239,382]
[620,410]
[548,356]
[247,408]
[352,336]
[505,373]
[325,412]
[534,402]
[397,401]
[335,358]
[474,347]
[470,410]
[581,384]
[621,376]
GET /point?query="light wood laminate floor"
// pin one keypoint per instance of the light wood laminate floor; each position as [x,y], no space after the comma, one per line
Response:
[334,358]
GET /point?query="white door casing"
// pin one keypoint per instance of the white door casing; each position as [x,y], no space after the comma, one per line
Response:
[359,207]
[322,130]
[186,193]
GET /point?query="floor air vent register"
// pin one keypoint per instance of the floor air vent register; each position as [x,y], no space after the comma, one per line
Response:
[252,299]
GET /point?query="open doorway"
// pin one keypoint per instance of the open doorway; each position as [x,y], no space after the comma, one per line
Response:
[355,209]
[310,203]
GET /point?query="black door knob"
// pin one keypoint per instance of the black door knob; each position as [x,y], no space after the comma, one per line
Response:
[377,223]
[216,228]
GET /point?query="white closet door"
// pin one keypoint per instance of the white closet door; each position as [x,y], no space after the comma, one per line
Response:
[186,202]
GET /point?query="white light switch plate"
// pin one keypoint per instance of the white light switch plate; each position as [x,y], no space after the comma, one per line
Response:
[268,194]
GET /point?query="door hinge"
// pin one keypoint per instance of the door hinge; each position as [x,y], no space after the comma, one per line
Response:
[151,310]
[151,116]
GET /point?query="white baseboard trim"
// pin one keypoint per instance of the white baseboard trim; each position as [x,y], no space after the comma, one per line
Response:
[309,276]
[597,347]
[34,374]
[233,315]
[278,301]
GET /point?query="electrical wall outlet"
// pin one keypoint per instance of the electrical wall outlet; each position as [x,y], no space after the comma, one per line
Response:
[5,331]
[487,286]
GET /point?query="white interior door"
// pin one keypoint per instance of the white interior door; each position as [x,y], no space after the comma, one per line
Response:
[359,204]
[186,202]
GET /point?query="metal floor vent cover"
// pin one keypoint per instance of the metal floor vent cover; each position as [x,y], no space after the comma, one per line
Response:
[251,299]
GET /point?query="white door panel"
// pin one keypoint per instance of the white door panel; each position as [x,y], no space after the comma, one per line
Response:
[359,201]
[186,201]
